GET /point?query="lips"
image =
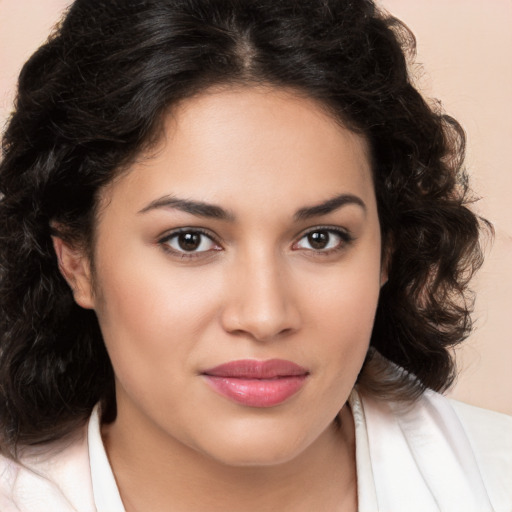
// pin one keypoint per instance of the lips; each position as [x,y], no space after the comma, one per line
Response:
[257,383]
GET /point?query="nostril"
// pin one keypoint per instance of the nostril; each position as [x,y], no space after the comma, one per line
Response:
[243,324]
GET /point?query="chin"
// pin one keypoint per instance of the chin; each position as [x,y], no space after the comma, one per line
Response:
[260,445]
[255,456]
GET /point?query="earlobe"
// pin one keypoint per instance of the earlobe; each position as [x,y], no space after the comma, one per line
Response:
[75,267]
[386,262]
[384,273]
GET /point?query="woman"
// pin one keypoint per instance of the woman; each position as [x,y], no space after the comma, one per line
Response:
[235,256]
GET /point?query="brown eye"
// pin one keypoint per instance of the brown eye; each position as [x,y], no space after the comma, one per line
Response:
[190,242]
[323,240]
[319,239]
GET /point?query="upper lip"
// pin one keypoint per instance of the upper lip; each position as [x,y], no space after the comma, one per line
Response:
[254,369]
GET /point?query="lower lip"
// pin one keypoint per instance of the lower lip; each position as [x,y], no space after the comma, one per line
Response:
[257,392]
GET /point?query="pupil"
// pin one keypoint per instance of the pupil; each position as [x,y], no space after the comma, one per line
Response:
[189,241]
[318,239]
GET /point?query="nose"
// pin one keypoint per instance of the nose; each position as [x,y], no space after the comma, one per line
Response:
[260,301]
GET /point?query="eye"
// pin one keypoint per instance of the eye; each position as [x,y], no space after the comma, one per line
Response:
[189,241]
[323,240]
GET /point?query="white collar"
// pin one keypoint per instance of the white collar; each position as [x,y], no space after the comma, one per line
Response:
[104,487]
[415,457]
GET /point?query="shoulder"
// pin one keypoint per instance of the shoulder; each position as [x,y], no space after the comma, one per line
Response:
[490,436]
[448,452]
[480,439]
[51,479]
[484,426]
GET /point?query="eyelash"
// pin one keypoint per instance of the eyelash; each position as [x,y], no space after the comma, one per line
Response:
[345,236]
[164,242]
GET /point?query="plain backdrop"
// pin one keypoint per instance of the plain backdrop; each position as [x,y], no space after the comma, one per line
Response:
[465,52]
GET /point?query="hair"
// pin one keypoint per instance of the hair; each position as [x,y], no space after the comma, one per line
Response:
[93,97]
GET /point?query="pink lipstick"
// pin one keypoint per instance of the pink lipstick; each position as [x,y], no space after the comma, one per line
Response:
[257,383]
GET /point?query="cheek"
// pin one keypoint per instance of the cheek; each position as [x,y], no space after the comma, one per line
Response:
[345,301]
[346,325]
[342,316]
[149,315]
[142,286]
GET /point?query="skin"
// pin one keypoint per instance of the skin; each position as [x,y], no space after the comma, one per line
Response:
[256,288]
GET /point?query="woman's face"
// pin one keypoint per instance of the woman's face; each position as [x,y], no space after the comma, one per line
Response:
[237,273]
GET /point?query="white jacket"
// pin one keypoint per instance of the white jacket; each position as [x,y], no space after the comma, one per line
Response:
[438,455]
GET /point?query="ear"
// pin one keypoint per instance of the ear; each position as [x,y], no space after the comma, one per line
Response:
[75,267]
[387,255]
[383,276]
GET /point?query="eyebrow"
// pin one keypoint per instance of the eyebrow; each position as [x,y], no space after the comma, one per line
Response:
[329,206]
[197,208]
[203,209]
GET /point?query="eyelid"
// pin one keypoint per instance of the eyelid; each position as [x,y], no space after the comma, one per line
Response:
[164,239]
[346,236]
[344,232]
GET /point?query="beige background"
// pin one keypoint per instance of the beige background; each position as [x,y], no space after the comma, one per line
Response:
[466,49]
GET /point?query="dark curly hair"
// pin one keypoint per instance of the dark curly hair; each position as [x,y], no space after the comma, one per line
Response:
[93,97]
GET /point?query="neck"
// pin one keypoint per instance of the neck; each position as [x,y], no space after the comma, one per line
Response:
[152,472]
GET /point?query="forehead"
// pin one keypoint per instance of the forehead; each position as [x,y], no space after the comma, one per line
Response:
[260,144]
